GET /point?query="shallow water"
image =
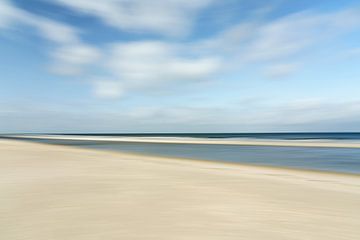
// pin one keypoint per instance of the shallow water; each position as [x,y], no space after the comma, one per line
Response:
[345,160]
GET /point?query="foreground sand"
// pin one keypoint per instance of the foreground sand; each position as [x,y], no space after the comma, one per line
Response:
[54,192]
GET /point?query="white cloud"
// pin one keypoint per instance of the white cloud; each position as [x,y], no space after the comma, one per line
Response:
[71,59]
[229,41]
[291,34]
[308,111]
[168,17]
[130,66]
[152,64]
[280,39]
[8,13]
[296,112]
[70,54]
[108,89]
[295,115]
[51,30]
[284,39]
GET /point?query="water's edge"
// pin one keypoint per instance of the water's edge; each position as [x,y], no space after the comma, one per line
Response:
[340,160]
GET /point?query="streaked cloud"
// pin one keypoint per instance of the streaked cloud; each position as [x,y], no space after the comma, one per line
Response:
[166,17]
[56,32]
[108,89]
[284,39]
[302,114]
[148,63]
[168,52]
[153,63]
[69,53]
[70,59]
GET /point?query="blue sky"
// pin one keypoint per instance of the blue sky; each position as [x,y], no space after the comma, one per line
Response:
[179,66]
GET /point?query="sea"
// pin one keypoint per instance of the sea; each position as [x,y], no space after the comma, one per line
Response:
[328,159]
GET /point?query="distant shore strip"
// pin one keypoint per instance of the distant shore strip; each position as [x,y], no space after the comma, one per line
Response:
[178,140]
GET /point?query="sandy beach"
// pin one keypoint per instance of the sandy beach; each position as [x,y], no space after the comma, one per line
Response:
[57,192]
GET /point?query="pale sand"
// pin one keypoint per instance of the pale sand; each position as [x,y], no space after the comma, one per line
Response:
[185,140]
[63,193]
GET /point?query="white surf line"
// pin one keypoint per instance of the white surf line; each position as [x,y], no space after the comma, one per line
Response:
[175,140]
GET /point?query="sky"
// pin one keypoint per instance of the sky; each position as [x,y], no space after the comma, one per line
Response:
[179,66]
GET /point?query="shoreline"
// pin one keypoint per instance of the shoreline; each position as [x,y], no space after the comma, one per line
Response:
[140,154]
[177,140]
[57,192]
[222,162]
[265,169]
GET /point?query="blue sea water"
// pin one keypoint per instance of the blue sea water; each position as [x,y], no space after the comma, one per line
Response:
[342,160]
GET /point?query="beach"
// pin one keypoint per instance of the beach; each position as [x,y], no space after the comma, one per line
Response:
[61,192]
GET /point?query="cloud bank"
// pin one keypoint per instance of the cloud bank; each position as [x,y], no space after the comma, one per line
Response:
[274,45]
[167,53]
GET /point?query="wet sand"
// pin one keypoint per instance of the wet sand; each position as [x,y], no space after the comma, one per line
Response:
[56,192]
